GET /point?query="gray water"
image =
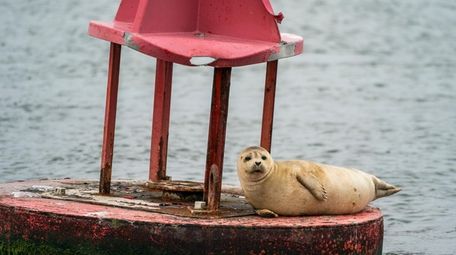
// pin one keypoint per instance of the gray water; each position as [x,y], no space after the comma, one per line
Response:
[375,89]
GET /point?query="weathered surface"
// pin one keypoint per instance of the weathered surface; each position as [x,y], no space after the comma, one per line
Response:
[268,104]
[169,197]
[216,137]
[94,229]
[110,118]
[160,120]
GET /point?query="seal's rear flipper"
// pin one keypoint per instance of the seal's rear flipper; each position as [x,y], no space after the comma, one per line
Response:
[383,189]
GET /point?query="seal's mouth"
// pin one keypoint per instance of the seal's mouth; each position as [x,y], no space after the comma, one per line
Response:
[256,170]
[259,171]
[256,173]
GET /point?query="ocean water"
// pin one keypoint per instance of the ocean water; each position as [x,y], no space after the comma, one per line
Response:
[375,89]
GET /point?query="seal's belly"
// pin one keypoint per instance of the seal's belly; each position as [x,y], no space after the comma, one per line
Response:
[347,192]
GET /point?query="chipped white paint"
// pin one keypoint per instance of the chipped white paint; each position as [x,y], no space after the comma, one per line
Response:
[99,214]
[90,197]
[286,50]
[41,188]
[202,60]
[19,194]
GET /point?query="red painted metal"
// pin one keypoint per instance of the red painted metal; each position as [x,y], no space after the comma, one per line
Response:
[160,122]
[216,137]
[110,118]
[233,33]
[214,189]
[268,104]
[125,231]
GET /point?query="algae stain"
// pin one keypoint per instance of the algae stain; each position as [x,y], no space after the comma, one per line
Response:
[22,247]
[115,224]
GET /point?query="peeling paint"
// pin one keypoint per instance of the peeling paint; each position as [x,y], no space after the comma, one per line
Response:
[128,39]
[101,214]
[202,60]
[285,50]
[40,188]
[18,194]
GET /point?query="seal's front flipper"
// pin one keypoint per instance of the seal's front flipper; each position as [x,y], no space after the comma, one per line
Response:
[311,183]
[266,213]
[383,189]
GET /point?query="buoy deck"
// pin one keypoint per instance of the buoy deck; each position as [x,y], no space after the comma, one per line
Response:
[101,229]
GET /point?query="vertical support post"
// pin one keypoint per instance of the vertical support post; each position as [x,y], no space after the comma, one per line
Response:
[216,137]
[110,119]
[268,104]
[160,121]
[214,188]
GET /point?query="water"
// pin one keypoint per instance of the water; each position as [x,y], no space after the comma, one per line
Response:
[374,90]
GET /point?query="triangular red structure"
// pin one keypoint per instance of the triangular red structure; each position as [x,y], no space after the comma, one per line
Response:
[230,33]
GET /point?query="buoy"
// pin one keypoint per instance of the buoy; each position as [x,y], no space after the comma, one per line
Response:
[160,215]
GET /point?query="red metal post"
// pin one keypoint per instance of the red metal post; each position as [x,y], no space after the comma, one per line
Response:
[216,137]
[268,104]
[110,119]
[160,122]
[214,188]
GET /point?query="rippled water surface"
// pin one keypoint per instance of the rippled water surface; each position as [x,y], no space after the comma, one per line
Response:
[375,89]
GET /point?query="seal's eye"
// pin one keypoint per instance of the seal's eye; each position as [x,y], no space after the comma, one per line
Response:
[248,158]
[264,157]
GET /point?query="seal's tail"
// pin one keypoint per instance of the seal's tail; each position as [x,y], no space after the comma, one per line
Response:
[383,189]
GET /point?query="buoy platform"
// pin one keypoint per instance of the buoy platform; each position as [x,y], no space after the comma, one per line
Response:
[69,217]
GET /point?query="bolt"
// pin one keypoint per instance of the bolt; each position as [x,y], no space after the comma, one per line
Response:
[59,191]
[200,205]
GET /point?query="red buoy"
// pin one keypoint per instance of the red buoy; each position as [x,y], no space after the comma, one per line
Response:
[160,216]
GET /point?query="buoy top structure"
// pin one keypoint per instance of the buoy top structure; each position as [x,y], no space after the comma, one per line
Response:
[200,32]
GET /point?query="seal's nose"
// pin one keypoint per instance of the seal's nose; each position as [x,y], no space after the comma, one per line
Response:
[257,163]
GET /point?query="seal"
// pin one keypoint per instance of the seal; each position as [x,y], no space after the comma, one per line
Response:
[298,187]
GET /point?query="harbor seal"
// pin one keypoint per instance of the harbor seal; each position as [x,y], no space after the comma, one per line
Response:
[299,187]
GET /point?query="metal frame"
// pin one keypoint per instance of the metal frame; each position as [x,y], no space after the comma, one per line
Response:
[161,120]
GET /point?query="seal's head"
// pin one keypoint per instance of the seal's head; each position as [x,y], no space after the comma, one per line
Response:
[254,164]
